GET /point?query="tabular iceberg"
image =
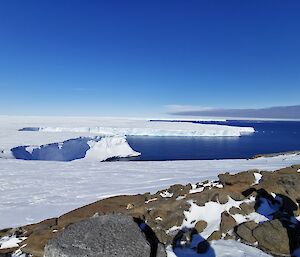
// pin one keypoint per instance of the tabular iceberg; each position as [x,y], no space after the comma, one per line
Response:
[82,148]
[177,129]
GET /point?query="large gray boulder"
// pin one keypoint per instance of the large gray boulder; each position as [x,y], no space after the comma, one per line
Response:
[227,222]
[274,237]
[103,236]
[245,231]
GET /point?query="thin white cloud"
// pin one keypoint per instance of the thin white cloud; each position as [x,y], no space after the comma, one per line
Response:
[187,108]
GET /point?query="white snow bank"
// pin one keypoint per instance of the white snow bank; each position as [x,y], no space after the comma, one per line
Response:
[258,177]
[109,147]
[31,191]
[6,154]
[10,241]
[160,129]
[254,216]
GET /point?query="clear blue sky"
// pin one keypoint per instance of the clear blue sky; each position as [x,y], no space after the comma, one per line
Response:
[73,57]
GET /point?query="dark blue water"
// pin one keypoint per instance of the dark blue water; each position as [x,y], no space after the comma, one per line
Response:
[270,137]
[68,150]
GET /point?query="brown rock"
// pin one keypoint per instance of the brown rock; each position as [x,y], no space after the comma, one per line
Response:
[284,182]
[117,204]
[36,242]
[247,208]
[219,195]
[7,252]
[227,222]
[229,237]
[4,232]
[239,178]
[200,226]
[216,235]
[272,236]
[174,219]
[205,196]
[244,231]
[178,189]
[235,210]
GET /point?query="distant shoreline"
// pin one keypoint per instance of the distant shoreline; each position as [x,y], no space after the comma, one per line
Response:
[275,154]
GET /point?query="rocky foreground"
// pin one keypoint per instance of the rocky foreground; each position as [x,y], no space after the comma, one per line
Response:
[258,208]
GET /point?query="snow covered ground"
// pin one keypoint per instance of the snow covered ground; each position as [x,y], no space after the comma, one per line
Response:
[31,191]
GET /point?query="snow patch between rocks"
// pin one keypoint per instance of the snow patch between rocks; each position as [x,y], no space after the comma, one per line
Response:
[256,217]
[211,213]
[166,194]
[258,177]
[199,187]
[10,242]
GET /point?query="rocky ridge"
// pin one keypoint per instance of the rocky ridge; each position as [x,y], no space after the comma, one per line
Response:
[259,208]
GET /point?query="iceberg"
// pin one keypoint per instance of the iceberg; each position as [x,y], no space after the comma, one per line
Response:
[28,131]
[82,148]
[109,147]
[176,129]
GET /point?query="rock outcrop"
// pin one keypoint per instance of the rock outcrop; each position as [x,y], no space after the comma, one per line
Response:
[261,212]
